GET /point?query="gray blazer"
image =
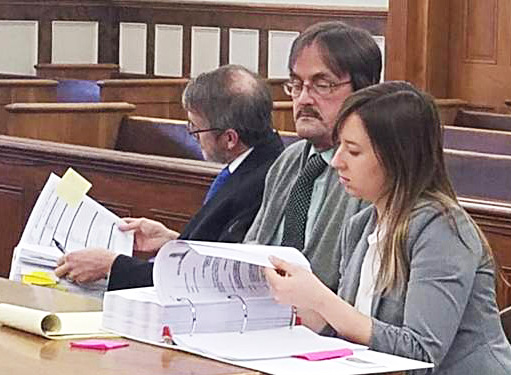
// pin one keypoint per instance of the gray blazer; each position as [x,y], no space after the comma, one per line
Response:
[322,249]
[448,314]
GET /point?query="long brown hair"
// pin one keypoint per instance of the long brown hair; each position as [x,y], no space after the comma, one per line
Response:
[404,128]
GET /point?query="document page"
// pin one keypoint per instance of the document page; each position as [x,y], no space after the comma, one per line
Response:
[211,271]
[263,344]
[87,225]
[52,223]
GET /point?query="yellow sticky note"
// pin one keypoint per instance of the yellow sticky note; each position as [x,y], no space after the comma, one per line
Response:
[72,187]
[41,278]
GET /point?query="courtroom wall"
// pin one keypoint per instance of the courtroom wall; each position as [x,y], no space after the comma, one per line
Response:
[164,38]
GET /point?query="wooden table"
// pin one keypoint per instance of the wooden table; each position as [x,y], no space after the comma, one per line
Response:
[26,354]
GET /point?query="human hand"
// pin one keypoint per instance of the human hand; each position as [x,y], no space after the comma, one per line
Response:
[311,319]
[150,235]
[294,285]
[85,266]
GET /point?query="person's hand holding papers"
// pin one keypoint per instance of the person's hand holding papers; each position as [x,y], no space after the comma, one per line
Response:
[150,235]
[317,305]
[85,265]
[294,285]
[94,264]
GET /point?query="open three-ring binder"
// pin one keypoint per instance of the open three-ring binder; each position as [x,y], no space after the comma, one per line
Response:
[215,300]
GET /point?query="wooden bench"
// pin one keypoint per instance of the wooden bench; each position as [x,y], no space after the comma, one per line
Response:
[153,97]
[91,124]
[479,175]
[77,71]
[166,137]
[157,136]
[24,90]
[483,120]
[478,140]
[283,112]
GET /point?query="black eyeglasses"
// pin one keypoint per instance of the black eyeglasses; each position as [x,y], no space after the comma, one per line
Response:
[195,133]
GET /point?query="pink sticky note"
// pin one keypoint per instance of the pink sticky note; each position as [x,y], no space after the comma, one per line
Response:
[329,354]
[98,344]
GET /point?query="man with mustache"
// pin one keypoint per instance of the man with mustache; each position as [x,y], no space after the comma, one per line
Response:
[304,203]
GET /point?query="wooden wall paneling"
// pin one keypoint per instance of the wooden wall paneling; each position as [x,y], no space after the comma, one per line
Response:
[224,45]
[480,27]
[129,184]
[109,13]
[263,53]
[91,72]
[187,48]
[417,44]
[480,54]
[151,40]
[48,11]
[12,203]
[263,18]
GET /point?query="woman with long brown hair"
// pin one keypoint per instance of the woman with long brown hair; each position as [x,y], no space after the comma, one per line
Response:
[417,277]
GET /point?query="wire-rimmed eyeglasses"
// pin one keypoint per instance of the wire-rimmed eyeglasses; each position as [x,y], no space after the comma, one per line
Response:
[294,87]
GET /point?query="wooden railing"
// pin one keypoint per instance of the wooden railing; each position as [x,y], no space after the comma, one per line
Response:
[24,90]
[91,124]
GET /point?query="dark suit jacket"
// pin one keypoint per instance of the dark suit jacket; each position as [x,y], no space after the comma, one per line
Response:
[225,218]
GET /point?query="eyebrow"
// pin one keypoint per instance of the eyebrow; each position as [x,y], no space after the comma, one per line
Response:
[315,77]
[353,143]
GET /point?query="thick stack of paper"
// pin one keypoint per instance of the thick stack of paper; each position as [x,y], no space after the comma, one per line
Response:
[202,287]
[138,313]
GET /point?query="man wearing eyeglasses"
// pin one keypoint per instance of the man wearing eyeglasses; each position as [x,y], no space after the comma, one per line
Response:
[304,205]
[229,112]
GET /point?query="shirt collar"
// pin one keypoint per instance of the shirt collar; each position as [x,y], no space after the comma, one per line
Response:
[326,155]
[233,165]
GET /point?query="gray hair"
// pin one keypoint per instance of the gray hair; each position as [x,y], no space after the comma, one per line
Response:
[232,97]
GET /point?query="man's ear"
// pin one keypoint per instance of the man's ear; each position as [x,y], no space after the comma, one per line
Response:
[232,139]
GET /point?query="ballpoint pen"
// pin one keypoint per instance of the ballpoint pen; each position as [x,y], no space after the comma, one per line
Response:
[59,246]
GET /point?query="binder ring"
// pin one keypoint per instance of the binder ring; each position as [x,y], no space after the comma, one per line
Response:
[293,317]
[245,311]
[193,311]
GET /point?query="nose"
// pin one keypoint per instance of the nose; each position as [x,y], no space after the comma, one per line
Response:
[338,162]
[305,96]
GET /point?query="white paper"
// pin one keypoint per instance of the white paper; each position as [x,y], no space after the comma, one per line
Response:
[263,344]
[209,271]
[87,225]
